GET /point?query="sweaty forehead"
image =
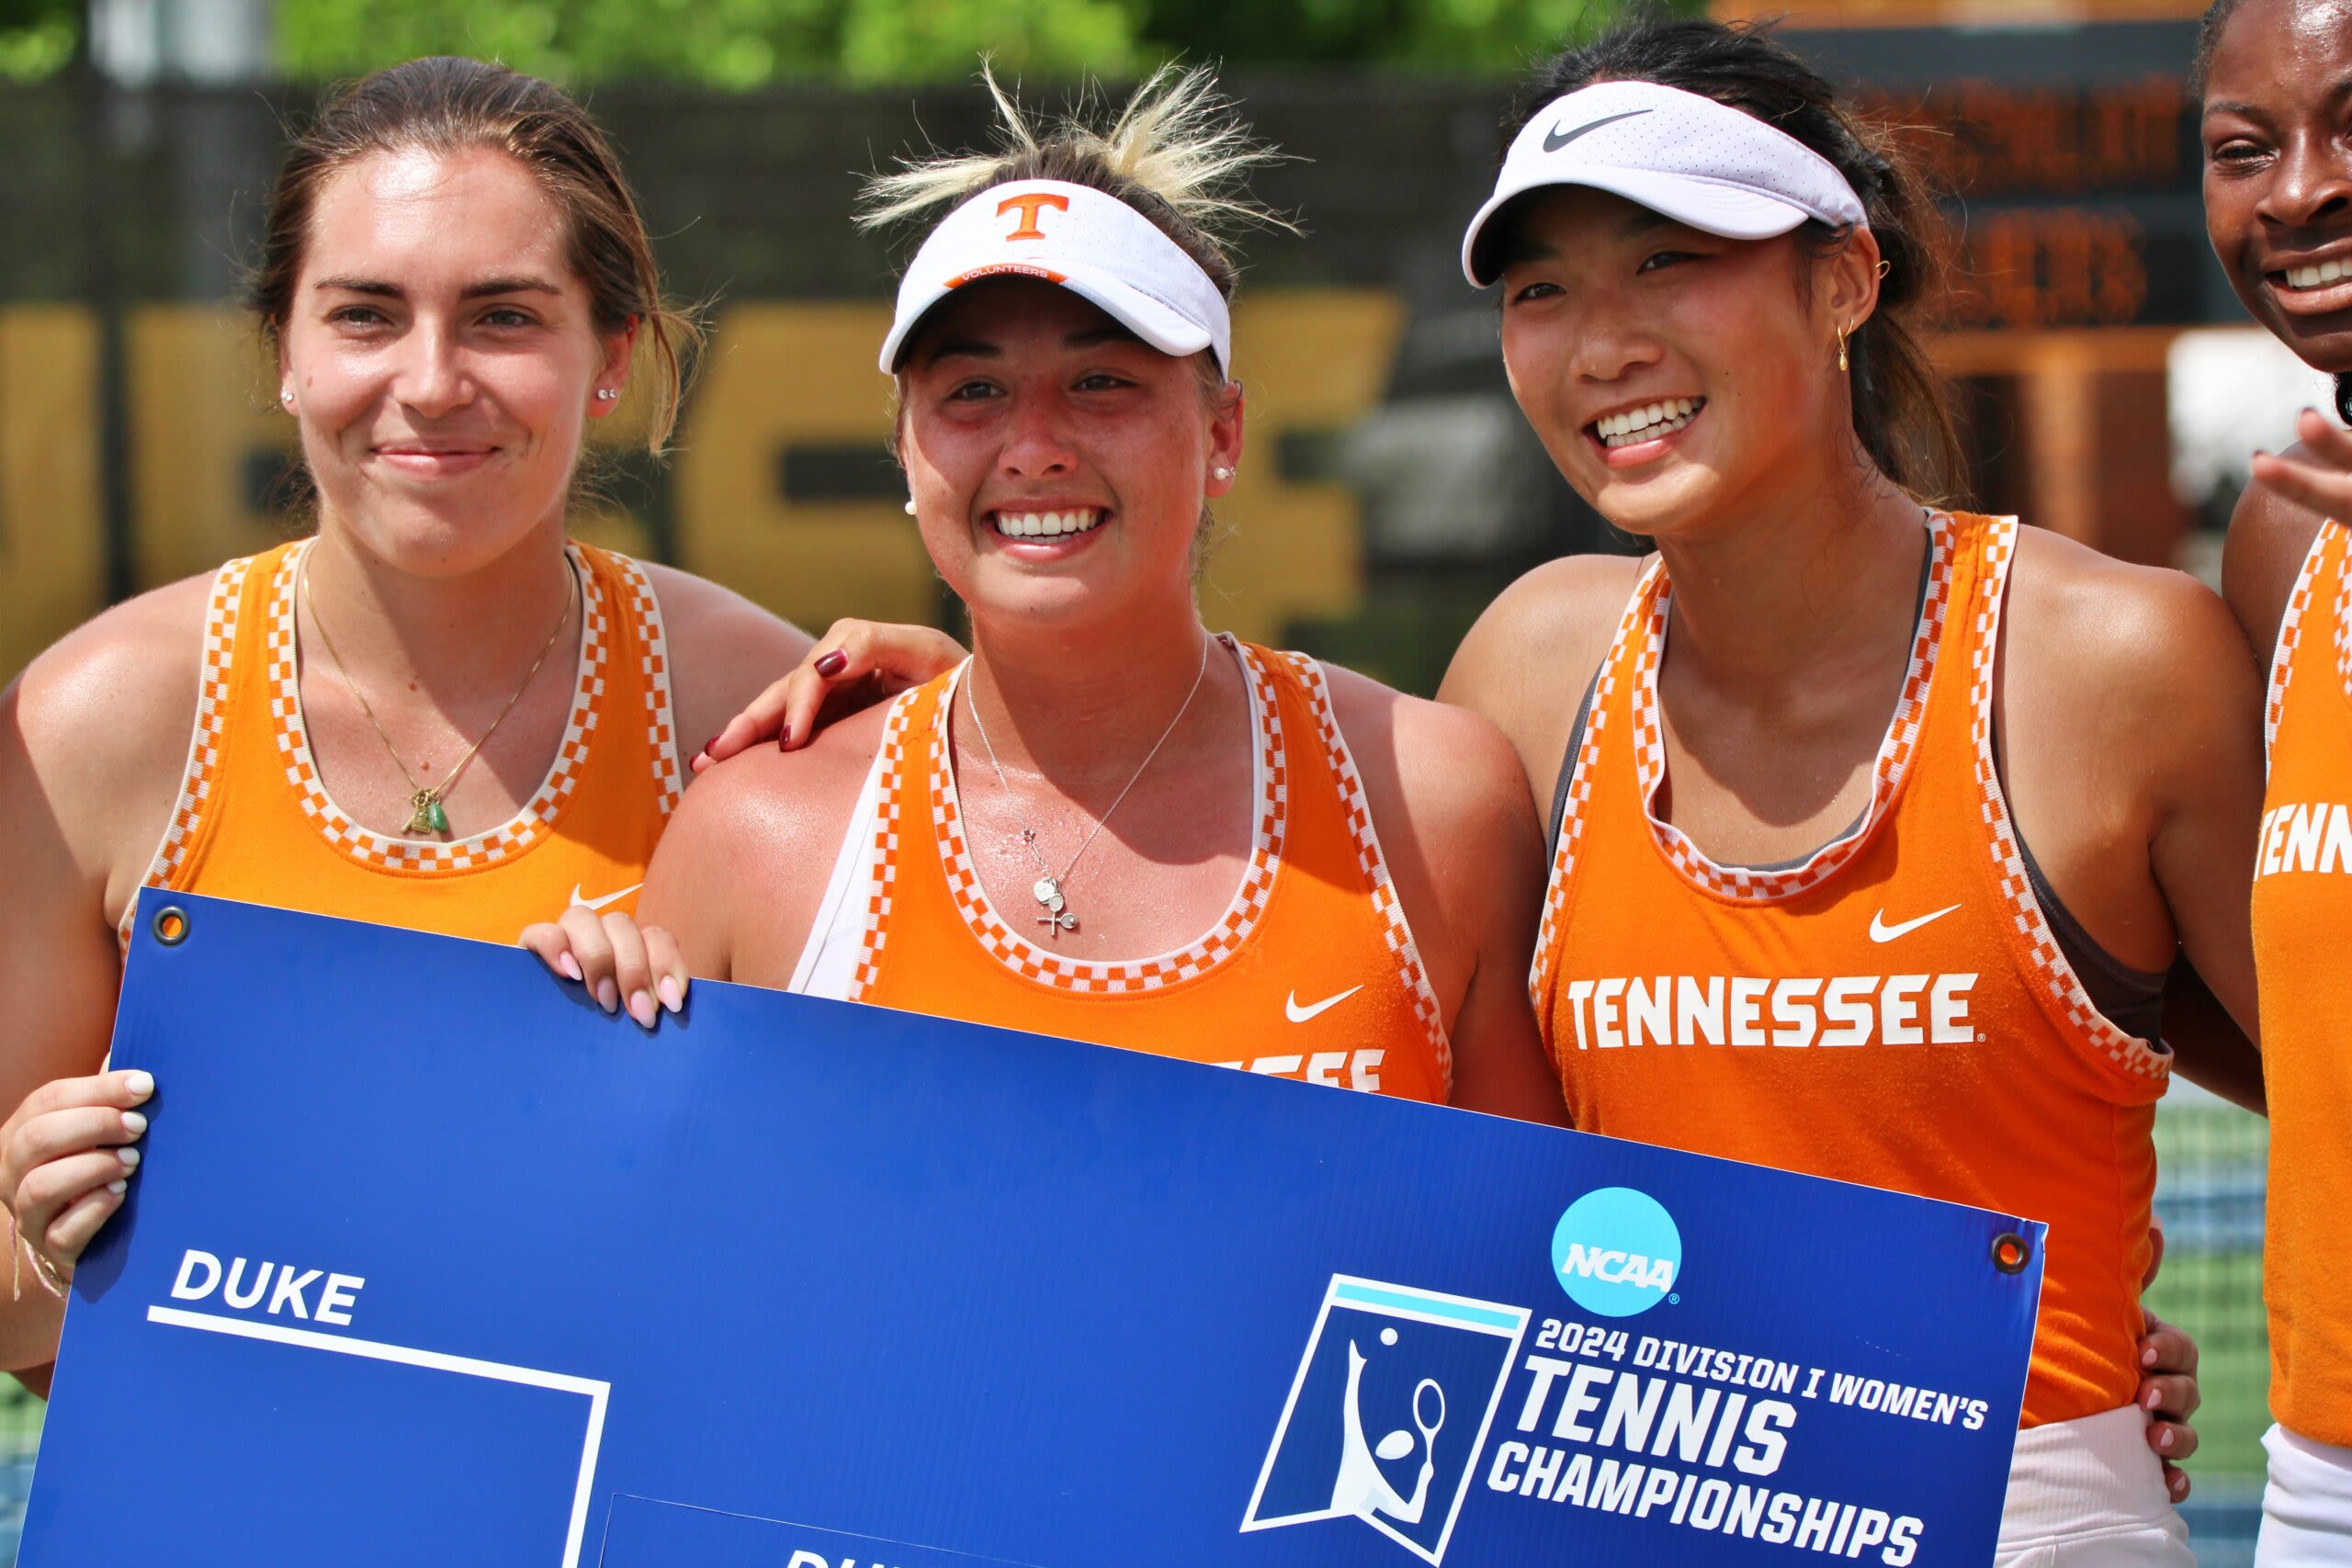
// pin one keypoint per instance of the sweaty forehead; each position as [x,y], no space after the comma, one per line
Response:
[417,207]
[1009,315]
[2275,54]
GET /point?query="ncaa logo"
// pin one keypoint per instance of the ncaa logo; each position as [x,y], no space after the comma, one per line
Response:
[1389,1413]
[1616,1252]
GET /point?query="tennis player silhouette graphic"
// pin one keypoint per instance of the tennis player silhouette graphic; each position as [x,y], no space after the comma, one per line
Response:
[1362,1488]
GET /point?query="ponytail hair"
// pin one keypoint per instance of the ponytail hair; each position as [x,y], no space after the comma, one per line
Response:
[1902,410]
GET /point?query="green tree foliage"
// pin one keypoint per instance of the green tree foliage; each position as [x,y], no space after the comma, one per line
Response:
[718,44]
[741,44]
[1486,36]
[748,43]
[37,37]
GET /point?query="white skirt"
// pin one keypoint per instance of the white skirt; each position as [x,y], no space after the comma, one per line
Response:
[2307,1507]
[2090,1494]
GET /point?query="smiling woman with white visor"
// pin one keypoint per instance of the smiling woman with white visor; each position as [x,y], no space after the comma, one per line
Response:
[1876,825]
[1110,824]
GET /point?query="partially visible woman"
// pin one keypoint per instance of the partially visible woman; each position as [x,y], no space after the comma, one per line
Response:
[437,710]
[2274,78]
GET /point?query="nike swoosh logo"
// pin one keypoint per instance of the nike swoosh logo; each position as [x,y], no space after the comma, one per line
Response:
[1553,138]
[592,904]
[1882,931]
[1297,1014]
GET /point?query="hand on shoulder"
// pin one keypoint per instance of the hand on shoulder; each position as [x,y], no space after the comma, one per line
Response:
[724,649]
[742,867]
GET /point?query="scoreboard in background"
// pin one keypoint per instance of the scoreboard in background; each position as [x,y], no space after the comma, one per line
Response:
[2070,153]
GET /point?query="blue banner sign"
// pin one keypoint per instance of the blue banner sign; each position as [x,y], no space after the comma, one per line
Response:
[429,1263]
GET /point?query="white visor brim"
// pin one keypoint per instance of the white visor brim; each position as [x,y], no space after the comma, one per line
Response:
[1077,238]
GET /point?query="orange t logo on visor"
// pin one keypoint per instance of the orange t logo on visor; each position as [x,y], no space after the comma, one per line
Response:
[1029,206]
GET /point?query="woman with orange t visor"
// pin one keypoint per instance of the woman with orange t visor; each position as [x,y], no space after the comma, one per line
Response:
[1109,824]
[1878,824]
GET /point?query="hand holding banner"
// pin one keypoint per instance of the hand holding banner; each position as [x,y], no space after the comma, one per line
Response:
[466,1272]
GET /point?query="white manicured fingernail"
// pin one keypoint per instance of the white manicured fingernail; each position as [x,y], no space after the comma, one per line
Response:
[608,996]
[127,1157]
[671,996]
[142,1083]
[133,1123]
[640,1008]
[2165,1440]
[118,1186]
[569,964]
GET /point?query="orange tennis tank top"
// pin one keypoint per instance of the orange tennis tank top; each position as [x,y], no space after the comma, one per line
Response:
[254,820]
[1310,973]
[1892,1010]
[2302,912]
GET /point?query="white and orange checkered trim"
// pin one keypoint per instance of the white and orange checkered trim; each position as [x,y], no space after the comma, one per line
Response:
[1557,884]
[2343,613]
[1746,885]
[2047,966]
[1127,976]
[432,857]
[1375,865]
[653,663]
[201,777]
[887,841]
[2290,631]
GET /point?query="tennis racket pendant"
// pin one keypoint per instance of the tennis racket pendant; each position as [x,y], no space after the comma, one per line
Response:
[1047,891]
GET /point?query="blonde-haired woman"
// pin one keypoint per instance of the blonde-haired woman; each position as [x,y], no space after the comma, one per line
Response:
[1142,834]
[437,711]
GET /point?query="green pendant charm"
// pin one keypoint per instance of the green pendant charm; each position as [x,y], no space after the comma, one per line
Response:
[425,813]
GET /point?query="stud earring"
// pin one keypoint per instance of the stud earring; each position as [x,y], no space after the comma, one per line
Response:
[911,506]
[285,396]
[1222,472]
[607,395]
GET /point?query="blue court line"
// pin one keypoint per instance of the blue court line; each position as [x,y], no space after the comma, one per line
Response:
[1461,1312]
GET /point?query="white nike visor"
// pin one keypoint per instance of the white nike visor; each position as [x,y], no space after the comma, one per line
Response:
[1716,168]
[1088,242]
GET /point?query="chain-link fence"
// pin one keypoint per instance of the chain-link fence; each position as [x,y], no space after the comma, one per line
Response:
[2211,1160]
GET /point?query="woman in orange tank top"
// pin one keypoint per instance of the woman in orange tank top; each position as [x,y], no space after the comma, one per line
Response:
[2270,77]
[435,711]
[1110,824]
[1878,825]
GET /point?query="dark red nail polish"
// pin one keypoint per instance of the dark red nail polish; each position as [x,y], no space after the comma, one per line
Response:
[784,739]
[833,663]
[711,743]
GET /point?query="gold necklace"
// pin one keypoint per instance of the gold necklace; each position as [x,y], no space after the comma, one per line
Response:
[1047,889]
[426,815]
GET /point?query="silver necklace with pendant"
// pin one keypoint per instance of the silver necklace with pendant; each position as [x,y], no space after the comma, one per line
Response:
[1047,889]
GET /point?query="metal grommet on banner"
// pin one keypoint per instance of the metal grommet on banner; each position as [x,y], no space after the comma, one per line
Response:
[2010,1253]
[170,925]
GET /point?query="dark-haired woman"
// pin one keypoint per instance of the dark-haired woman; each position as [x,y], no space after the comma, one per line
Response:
[2276,127]
[437,711]
[1877,825]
